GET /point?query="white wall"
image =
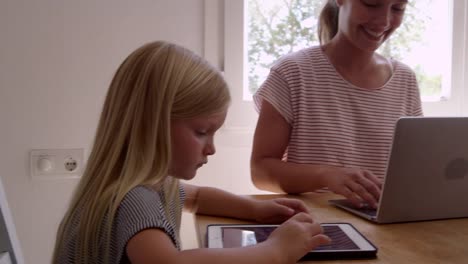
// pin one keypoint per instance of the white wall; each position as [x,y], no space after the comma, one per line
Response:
[56,61]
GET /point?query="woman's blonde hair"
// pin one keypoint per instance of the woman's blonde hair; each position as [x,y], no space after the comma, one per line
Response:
[328,21]
[158,82]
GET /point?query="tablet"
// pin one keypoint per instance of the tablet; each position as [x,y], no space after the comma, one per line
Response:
[347,241]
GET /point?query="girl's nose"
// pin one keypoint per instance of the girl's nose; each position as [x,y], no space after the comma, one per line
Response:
[210,148]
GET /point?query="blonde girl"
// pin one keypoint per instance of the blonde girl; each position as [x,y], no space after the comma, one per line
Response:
[157,125]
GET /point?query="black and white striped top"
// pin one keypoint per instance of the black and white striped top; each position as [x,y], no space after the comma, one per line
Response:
[334,122]
[142,208]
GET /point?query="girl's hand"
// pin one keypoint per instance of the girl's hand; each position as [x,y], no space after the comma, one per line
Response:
[277,210]
[297,236]
[359,186]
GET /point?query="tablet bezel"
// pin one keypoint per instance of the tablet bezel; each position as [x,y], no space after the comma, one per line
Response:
[365,248]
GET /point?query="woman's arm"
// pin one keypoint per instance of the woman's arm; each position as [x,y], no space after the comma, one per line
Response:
[270,173]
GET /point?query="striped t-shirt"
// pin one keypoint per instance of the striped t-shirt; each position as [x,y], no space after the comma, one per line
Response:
[142,208]
[334,122]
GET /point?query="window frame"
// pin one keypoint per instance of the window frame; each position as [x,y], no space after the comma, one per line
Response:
[226,47]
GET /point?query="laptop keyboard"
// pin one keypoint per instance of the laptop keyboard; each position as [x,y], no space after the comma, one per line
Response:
[366,209]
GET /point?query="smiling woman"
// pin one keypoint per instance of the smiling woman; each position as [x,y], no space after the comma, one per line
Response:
[429,25]
[333,106]
[433,41]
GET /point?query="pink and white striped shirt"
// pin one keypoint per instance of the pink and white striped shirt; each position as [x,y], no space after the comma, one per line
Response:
[334,122]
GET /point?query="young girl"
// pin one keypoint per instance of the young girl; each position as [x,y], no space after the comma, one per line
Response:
[162,110]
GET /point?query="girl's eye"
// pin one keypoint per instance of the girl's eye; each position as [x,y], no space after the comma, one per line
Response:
[201,132]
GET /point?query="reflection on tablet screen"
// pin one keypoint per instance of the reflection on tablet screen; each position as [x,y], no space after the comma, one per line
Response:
[246,236]
[339,239]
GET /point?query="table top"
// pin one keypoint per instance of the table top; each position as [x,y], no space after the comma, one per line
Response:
[439,241]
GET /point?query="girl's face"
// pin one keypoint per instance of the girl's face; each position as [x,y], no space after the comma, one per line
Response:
[369,23]
[192,143]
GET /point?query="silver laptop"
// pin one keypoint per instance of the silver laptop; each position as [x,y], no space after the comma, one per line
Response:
[427,172]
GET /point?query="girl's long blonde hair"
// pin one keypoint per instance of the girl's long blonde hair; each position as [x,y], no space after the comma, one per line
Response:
[158,82]
[328,21]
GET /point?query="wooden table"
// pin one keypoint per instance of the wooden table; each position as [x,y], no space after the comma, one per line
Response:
[441,241]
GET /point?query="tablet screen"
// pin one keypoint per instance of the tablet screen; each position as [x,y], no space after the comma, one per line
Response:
[245,236]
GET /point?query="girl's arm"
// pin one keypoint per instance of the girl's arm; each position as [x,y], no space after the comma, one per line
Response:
[213,201]
[286,245]
[155,246]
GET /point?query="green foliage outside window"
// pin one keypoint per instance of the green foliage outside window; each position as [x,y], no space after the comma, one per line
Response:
[276,28]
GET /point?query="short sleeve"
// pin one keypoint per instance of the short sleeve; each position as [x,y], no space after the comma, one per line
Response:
[416,102]
[275,91]
[142,208]
[409,80]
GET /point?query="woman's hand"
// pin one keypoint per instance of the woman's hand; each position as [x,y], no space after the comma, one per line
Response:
[297,236]
[277,210]
[359,186]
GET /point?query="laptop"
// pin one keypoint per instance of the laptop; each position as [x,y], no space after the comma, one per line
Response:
[427,172]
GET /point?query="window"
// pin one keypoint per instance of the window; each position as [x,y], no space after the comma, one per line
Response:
[433,40]
[277,27]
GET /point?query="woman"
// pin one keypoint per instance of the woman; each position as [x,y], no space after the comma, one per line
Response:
[333,107]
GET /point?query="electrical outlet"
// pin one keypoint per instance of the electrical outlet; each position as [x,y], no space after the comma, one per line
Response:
[56,163]
[70,164]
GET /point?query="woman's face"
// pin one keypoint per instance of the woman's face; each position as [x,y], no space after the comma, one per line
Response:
[192,143]
[369,23]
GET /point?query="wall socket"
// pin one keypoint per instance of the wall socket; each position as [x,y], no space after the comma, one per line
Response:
[56,163]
